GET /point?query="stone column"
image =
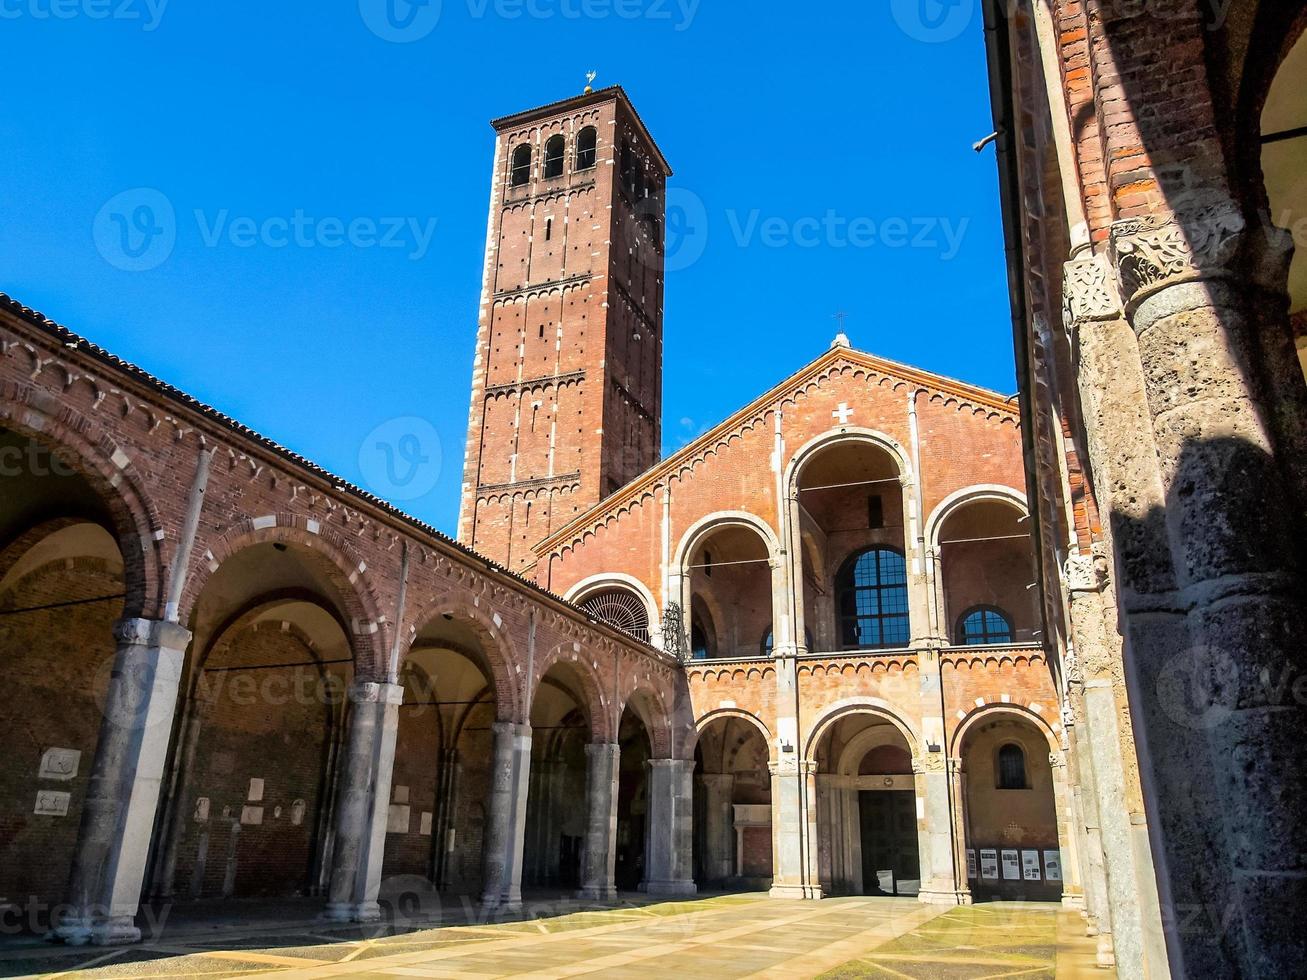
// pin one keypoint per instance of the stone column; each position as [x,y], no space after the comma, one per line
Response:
[1068,841]
[599,859]
[719,822]
[363,805]
[940,884]
[669,848]
[795,873]
[113,842]
[501,852]
[175,812]
[920,628]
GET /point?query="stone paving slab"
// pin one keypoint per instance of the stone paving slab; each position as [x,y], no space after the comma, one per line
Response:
[716,938]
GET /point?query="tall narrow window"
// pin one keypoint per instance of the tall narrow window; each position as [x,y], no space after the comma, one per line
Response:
[875,511]
[549,229]
[872,588]
[554,151]
[984,624]
[1012,767]
[587,153]
[521,172]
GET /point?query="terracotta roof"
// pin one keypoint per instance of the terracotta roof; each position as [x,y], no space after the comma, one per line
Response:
[67,338]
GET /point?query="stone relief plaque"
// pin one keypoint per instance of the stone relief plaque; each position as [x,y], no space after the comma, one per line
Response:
[60,764]
[52,803]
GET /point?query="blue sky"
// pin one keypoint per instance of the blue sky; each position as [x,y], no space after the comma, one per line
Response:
[317,175]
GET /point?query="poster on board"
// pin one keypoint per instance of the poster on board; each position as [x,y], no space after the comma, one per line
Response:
[1011,866]
[1030,865]
[989,863]
[971,863]
[1053,865]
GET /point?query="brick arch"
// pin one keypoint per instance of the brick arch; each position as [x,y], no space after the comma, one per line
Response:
[496,646]
[1017,712]
[94,456]
[858,705]
[960,499]
[724,714]
[593,702]
[359,601]
[849,435]
[648,704]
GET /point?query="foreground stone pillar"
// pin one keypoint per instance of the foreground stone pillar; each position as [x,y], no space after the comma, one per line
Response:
[668,866]
[795,871]
[719,825]
[942,882]
[501,850]
[363,805]
[113,843]
[599,859]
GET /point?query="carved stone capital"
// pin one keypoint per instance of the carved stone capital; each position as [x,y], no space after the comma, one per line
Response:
[1088,292]
[1084,573]
[1196,242]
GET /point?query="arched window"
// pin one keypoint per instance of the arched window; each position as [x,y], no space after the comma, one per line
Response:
[554,151]
[587,153]
[1012,767]
[521,172]
[872,590]
[984,624]
[698,642]
[621,610]
[768,642]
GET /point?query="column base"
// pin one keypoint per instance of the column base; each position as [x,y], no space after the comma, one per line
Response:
[669,887]
[800,892]
[118,930]
[944,897]
[597,893]
[1075,902]
[352,912]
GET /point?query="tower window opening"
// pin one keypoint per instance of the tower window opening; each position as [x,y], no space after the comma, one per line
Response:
[587,153]
[549,228]
[521,171]
[554,150]
[875,511]
[1012,767]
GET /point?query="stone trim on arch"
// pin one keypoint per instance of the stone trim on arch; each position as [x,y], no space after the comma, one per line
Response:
[603,581]
[138,525]
[368,627]
[847,434]
[603,727]
[1032,713]
[958,499]
[497,648]
[858,746]
[659,729]
[721,714]
[857,705]
[710,523]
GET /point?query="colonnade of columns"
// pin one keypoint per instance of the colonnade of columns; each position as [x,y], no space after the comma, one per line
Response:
[118,819]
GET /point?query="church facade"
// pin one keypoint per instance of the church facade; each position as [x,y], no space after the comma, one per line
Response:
[806,653]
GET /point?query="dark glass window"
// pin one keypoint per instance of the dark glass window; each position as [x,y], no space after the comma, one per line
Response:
[698,642]
[984,624]
[872,589]
[1011,767]
[554,151]
[587,154]
[875,511]
[521,172]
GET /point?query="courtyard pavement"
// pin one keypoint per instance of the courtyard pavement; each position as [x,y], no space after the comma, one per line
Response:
[717,937]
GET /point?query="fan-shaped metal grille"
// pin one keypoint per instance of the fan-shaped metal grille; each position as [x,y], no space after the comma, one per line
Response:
[621,610]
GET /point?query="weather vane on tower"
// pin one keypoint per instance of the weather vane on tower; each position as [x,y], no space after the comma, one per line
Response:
[590,77]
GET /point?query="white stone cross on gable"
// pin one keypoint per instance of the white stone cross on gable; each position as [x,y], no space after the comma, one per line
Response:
[843,413]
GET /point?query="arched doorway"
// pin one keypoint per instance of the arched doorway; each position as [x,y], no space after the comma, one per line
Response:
[728,577]
[254,773]
[850,519]
[62,589]
[732,806]
[556,814]
[634,752]
[868,836]
[1010,815]
[986,568]
[443,751]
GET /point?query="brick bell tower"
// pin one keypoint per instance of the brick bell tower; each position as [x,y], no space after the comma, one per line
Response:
[567,377]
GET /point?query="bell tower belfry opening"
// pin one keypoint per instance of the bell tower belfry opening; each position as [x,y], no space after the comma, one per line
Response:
[567,376]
